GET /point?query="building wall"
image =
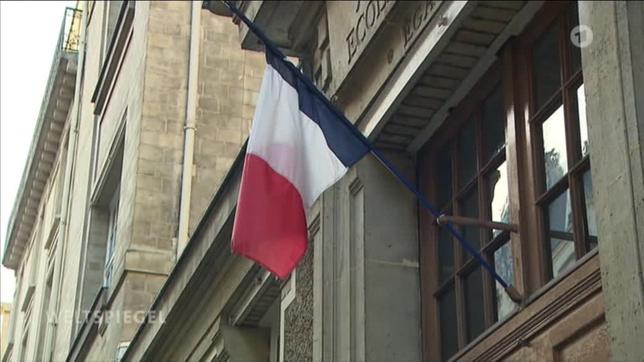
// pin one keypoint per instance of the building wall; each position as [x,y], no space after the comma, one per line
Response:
[151,91]
[78,188]
[156,114]
[566,319]
[614,71]
[31,296]
[365,264]
[227,91]
[356,294]
[146,104]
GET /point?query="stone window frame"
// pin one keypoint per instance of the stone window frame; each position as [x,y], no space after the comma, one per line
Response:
[532,269]
[112,58]
[47,315]
[105,203]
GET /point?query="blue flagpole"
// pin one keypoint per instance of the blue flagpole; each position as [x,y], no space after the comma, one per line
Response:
[512,292]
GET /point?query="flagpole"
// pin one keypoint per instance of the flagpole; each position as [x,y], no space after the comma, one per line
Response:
[512,292]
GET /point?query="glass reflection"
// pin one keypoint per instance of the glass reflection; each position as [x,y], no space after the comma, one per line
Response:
[583,126]
[504,267]
[554,147]
[497,182]
[591,223]
[562,247]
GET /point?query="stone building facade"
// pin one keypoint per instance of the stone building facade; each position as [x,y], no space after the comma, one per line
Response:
[527,114]
[147,106]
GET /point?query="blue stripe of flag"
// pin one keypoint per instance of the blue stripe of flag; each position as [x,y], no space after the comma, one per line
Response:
[340,139]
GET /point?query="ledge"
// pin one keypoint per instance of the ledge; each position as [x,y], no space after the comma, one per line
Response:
[542,309]
[88,329]
[207,252]
[54,112]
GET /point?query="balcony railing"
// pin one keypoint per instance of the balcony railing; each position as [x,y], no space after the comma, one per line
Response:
[70,32]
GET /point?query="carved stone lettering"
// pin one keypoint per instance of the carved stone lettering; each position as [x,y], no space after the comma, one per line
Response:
[365,22]
[417,20]
[352,27]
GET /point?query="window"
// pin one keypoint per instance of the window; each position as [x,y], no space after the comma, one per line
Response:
[46,317]
[118,20]
[562,165]
[26,328]
[472,182]
[91,4]
[23,345]
[110,16]
[100,267]
[120,350]
[471,171]
[112,222]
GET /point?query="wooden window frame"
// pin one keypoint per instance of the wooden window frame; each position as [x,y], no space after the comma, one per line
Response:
[577,164]
[469,110]
[526,175]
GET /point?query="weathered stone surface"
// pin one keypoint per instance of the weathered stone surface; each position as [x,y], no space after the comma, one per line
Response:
[298,317]
[613,66]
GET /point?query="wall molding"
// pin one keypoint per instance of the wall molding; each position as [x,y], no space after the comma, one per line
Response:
[546,308]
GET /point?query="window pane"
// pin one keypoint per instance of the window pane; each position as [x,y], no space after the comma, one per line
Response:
[445,255]
[470,208]
[583,127]
[554,147]
[114,9]
[591,223]
[444,172]
[467,154]
[497,182]
[493,118]
[575,52]
[473,284]
[505,268]
[562,247]
[545,61]
[447,311]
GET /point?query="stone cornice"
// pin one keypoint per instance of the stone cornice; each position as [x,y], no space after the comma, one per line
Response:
[53,115]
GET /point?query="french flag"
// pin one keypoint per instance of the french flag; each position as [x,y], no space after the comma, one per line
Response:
[298,147]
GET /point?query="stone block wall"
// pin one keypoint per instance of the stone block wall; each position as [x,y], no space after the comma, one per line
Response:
[80,159]
[150,92]
[161,138]
[613,67]
[155,108]
[229,80]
